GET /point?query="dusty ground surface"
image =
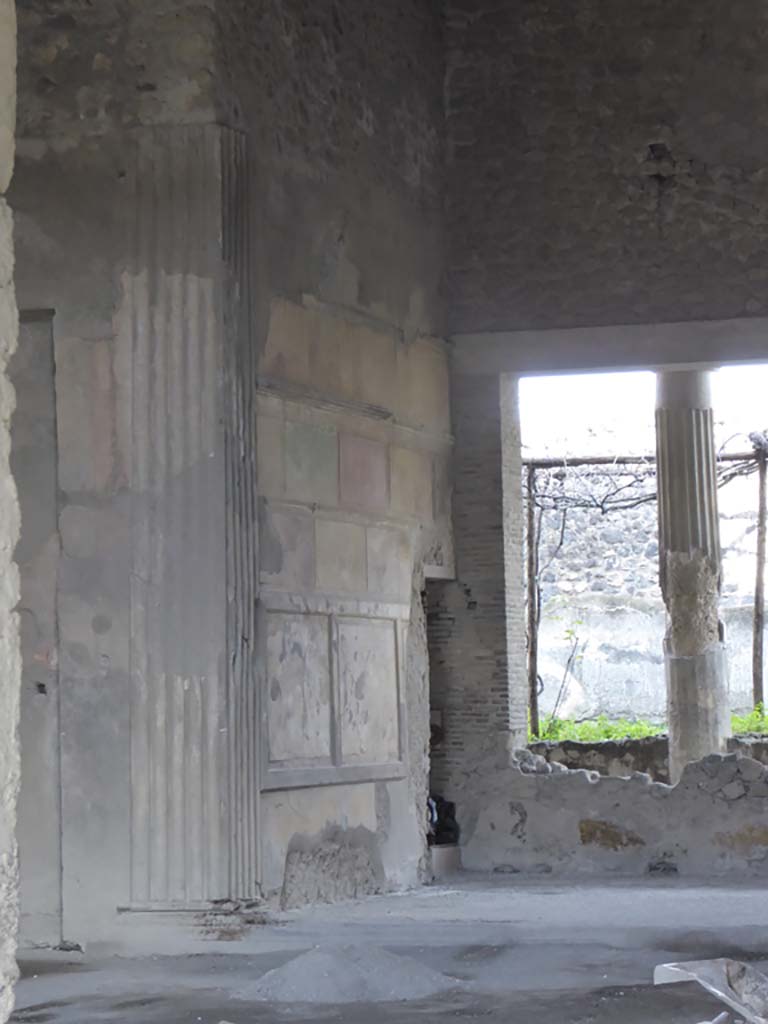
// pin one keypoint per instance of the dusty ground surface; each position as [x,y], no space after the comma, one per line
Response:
[559,953]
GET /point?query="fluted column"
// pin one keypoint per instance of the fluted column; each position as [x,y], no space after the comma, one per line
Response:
[689,569]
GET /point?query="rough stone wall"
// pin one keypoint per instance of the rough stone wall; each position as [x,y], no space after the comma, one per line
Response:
[9,528]
[476,624]
[622,758]
[604,162]
[527,818]
[90,69]
[342,103]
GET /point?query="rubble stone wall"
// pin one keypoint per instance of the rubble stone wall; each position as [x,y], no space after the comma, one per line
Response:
[535,818]
[621,758]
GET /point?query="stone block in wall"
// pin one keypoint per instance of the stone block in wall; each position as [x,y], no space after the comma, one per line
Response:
[390,560]
[298,691]
[330,355]
[362,363]
[340,556]
[411,483]
[287,348]
[271,456]
[287,547]
[423,387]
[368,683]
[311,463]
[363,469]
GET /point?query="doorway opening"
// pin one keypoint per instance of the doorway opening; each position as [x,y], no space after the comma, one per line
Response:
[443,828]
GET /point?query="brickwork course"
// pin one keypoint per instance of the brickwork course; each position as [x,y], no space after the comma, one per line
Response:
[476,624]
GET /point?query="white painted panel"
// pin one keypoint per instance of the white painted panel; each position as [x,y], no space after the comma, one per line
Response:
[368,686]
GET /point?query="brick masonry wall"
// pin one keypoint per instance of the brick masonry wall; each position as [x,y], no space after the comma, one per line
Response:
[606,162]
[475,624]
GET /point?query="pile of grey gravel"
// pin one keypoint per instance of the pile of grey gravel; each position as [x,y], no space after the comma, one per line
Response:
[347,974]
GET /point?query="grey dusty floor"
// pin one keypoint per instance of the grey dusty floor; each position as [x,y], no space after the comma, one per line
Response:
[564,953]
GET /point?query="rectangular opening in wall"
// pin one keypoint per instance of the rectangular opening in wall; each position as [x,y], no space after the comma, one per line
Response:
[595,608]
[444,741]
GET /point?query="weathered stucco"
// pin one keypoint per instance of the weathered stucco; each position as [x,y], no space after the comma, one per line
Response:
[531,818]
[162,152]
[355,508]
[9,527]
[354,421]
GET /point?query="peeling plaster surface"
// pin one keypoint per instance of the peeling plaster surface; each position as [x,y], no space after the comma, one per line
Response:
[691,591]
[10,660]
[353,416]
[535,818]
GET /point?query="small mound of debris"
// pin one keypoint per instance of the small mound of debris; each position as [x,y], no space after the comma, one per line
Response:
[349,974]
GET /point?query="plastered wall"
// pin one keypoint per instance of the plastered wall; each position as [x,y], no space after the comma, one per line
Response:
[354,446]
[9,528]
[190,214]
[527,818]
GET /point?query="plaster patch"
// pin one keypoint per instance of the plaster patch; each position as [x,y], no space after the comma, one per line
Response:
[606,834]
[746,841]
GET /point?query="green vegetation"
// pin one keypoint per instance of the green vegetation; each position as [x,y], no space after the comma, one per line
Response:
[603,728]
[755,721]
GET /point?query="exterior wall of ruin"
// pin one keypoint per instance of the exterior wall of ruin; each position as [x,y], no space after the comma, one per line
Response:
[565,211]
[9,529]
